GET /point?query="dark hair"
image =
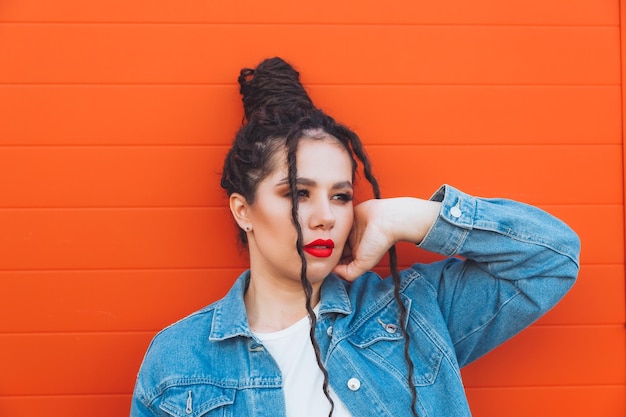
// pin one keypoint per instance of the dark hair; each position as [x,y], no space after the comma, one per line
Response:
[277,114]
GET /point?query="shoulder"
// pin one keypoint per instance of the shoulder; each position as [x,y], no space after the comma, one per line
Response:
[191,342]
[175,341]
[196,325]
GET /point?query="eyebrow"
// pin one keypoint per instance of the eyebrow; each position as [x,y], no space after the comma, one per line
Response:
[310,183]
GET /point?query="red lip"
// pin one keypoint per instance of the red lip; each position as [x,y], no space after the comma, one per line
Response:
[320,248]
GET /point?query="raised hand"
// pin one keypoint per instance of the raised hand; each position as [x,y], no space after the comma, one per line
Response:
[378,224]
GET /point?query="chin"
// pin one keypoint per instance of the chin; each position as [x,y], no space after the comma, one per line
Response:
[317,275]
[319,268]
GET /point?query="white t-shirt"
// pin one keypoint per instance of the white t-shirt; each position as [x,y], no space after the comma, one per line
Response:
[291,348]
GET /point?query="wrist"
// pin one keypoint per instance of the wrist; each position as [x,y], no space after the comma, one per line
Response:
[411,218]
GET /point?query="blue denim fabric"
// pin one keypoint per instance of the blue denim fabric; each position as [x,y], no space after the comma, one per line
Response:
[518,261]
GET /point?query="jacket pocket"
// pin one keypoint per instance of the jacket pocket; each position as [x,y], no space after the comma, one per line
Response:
[380,341]
[388,355]
[198,400]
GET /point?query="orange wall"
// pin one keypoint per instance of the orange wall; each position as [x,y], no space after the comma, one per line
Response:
[115,116]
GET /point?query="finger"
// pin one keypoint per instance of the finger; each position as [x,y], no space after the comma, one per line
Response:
[349,271]
[341,271]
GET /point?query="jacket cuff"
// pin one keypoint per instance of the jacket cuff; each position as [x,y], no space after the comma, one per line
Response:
[455,220]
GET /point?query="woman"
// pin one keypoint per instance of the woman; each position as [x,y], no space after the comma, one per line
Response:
[308,330]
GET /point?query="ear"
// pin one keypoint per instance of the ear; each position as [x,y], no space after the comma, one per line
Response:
[240,209]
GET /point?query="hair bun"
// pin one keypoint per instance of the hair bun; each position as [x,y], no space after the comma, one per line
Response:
[273,94]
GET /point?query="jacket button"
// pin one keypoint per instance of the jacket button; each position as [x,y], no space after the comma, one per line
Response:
[256,347]
[329,331]
[391,328]
[354,384]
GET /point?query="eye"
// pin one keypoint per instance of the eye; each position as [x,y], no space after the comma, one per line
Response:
[345,197]
[301,193]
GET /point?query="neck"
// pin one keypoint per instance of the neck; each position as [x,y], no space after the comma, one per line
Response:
[273,305]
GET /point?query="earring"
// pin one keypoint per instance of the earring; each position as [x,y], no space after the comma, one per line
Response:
[247,228]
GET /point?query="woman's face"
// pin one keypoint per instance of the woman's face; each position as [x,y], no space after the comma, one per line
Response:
[324,176]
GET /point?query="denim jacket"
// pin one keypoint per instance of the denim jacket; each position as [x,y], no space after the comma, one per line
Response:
[509,263]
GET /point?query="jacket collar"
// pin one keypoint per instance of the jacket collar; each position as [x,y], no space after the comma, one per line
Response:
[230,319]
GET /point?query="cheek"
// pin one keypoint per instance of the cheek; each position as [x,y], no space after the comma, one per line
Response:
[344,221]
[277,226]
[271,214]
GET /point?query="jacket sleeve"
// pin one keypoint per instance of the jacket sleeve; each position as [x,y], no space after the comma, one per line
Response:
[510,264]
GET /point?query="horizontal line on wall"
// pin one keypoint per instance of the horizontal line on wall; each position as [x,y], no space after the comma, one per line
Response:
[308,84]
[234,269]
[516,387]
[81,333]
[407,266]
[64,395]
[220,207]
[367,146]
[616,324]
[173,269]
[313,24]
[492,145]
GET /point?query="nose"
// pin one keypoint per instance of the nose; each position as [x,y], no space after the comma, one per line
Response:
[322,215]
